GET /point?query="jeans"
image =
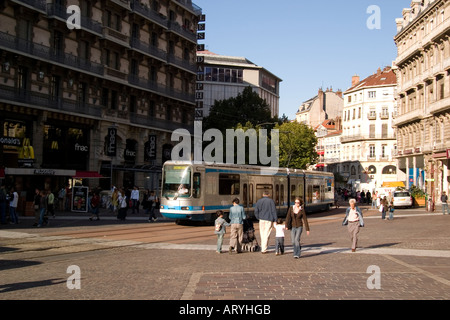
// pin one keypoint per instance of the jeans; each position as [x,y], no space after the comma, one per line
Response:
[41,216]
[13,215]
[219,242]
[445,208]
[383,213]
[279,245]
[391,214]
[295,235]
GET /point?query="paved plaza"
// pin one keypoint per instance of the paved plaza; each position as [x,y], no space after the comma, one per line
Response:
[404,259]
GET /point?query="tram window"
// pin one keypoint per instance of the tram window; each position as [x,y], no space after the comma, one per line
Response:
[277,194]
[229,184]
[300,191]
[260,188]
[250,196]
[197,184]
[244,195]
[309,194]
[316,194]
[282,194]
[293,195]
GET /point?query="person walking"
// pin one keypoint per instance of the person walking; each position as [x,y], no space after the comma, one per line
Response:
[374,200]
[237,216]
[444,199]
[279,236]
[135,200]
[266,213]
[2,205]
[383,207]
[123,205]
[295,221]
[152,207]
[37,206]
[42,209]
[51,203]
[353,220]
[391,209]
[13,207]
[95,206]
[220,229]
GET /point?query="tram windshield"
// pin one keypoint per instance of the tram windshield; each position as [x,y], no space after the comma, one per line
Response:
[177,181]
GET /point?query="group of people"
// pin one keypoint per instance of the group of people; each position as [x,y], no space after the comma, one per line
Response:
[44,204]
[266,213]
[123,199]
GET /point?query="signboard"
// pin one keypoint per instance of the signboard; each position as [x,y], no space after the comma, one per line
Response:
[80,199]
[111,142]
[150,148]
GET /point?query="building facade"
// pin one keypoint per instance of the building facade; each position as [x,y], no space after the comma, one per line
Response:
[325,105]
[423,118]
[368,141]
[98,98]
[329,144]
[224,77]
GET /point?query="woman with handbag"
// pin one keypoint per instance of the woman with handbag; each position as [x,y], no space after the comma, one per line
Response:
[295,221]
[353,220]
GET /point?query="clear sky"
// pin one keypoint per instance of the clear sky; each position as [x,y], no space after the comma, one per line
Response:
[308,44]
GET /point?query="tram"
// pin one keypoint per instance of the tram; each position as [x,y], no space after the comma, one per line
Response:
[195,192]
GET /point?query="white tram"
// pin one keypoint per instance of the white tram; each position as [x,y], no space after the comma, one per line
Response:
[196,191]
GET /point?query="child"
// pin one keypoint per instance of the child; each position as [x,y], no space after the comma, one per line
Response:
[279,236]
[220,230]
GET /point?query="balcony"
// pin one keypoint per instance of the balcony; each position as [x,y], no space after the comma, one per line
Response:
[384,116]
[189,5]
[45,101]
[158,123]
[191,35]
[148,50]
[115,73]
[360,137]
[149,13]
[38,5]
[12,43]
[185,64]
[372,116]
[116,36]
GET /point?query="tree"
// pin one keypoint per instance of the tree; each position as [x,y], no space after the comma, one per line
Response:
[297,145]
[247,107]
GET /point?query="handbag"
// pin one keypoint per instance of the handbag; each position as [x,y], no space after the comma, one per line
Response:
[381,208]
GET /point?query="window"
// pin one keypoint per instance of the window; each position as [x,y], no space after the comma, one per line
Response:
[372,94]
[260,188]
[55,88]
[196,185]
[114,100]
[384,151]
[372,151]
[229,184]
[372,131]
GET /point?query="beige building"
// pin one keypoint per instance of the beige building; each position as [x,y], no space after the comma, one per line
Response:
[368,139]
[324,106]
[423,95]
[131,66]
[224,77]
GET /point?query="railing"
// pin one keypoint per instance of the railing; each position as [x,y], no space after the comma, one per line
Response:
[47,101]
[175,27]
[149,13]
[148,49]
[46,53]
[190,6]
[37,4]
[190,66]
[365,137]
[158,123]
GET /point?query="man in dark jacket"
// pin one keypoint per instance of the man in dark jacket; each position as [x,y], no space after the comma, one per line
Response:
[266,213]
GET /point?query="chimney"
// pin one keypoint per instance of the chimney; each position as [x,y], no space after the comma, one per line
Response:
[355,80]
[379,71]
[339,93]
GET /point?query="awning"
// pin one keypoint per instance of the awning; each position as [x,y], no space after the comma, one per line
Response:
[39,172]
[87,175]
[393,184]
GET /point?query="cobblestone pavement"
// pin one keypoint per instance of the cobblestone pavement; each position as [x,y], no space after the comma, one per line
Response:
[407,258]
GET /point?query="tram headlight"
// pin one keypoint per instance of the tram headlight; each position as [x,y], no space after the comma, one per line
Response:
[184,208]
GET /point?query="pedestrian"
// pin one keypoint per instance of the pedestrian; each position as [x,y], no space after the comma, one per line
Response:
[37,206]
[336,199]
[353,220]
[220,229]
[444,200]
[115,200]
[280,226]
[51,203]
[374,200]
[295,221]
[2,205]
[152,203]
[95,206]
[43,209]
[391,208]
[13,207]
[368,197]
[135,200]
[266,213]
[383,207]
[123,205]
[237,216]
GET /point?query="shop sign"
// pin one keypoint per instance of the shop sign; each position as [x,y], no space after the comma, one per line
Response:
[81,148]
[150,148]
[10,141]
[111,142]
[45,172]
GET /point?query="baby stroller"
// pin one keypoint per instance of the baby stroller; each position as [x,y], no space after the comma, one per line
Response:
[249,242]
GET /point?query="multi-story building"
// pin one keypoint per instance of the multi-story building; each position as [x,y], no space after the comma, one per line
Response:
[224,77]
[325,105]
[368,140]
[329,144]
[423,94]
[102,97]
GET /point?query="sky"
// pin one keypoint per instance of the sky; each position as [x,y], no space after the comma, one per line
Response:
[308,44]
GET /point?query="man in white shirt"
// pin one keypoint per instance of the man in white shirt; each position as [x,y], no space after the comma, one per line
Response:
[135,199]
[13,206]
